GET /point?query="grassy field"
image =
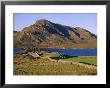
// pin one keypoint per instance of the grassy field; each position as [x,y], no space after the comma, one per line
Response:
[86,60]
[91,61]
[27,65]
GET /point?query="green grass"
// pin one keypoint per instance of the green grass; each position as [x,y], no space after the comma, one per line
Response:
[86,60]
[92,61]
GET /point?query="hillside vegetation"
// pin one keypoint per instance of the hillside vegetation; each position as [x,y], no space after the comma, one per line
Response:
[25,65]
[44,33]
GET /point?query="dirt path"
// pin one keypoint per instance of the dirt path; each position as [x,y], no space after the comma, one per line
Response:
[75,63]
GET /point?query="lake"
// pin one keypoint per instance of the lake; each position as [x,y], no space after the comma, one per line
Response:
[70,52]
[73,52]
[17,50]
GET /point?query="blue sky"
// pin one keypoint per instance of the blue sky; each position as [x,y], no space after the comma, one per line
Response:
[87,21]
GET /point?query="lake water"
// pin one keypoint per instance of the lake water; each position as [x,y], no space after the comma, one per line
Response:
[17,50]
[73,52]
[70,52]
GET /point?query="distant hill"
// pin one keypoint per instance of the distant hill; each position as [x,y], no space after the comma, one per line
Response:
[44,33]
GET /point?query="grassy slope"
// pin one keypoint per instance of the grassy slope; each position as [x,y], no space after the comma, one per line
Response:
[25,65]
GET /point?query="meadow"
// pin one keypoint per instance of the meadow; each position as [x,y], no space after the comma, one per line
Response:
[91,61]
[86,60]
[27,65]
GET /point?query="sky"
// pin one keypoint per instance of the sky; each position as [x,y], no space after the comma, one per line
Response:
[87,21]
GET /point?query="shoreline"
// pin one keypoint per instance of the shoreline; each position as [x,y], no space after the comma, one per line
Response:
[66,48]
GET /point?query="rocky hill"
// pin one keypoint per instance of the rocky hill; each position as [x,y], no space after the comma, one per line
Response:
[44,33]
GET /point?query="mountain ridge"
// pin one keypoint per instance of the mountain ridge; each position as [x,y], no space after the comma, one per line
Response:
[44,33]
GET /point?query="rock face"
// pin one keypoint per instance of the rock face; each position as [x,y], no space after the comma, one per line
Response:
[48,34]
